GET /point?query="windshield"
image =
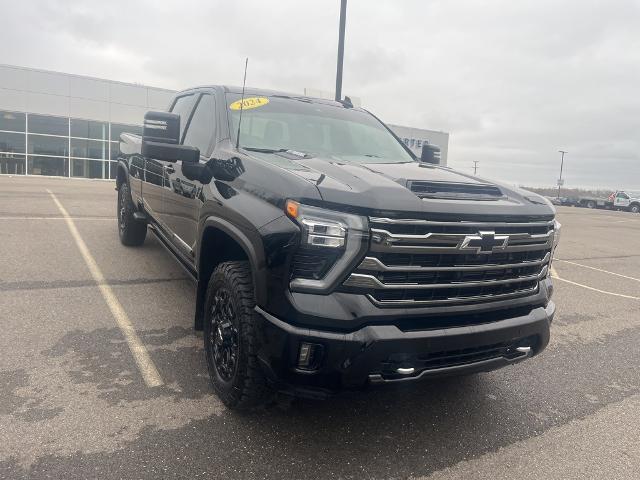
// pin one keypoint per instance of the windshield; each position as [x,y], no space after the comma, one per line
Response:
[277,122]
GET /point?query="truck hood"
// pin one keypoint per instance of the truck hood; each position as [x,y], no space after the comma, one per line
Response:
[386,188]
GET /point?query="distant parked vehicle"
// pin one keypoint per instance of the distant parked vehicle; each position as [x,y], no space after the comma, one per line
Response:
[569,201]
[626,200]
[564,201]
[593,202]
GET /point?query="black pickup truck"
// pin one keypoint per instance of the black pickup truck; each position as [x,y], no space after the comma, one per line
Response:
[326,255]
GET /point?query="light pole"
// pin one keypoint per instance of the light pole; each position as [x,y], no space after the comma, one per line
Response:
[475,166]
[561,166]
[343,19]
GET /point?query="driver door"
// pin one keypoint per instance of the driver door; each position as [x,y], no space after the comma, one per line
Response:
[183,199]
[157,172]
[622,200]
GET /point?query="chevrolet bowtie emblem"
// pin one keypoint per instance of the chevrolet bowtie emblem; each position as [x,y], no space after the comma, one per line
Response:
[485,242]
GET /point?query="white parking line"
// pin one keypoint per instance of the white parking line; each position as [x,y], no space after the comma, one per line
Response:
[598,270]
[141,356]
[596,289]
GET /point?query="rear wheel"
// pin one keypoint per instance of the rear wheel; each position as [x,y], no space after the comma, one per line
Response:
[132,232]
[591,204]
[230,337]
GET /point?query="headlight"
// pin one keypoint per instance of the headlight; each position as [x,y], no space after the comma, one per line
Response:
[330,243]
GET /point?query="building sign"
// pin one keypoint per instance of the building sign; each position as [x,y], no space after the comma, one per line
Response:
[415,142]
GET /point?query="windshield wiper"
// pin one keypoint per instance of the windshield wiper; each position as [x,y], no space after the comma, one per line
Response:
[265,150]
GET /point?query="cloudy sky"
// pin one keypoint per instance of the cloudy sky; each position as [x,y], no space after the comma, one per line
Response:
[512,81]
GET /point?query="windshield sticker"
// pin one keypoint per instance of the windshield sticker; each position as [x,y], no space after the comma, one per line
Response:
[248,103]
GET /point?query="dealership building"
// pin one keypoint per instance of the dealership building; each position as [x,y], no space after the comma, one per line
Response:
[66,125]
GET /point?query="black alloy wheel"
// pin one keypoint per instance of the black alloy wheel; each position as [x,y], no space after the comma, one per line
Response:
[223,334]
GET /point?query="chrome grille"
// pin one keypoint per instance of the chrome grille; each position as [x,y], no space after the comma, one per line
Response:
[420,262]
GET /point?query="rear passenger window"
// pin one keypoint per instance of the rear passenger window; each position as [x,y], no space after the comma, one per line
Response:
[202,126]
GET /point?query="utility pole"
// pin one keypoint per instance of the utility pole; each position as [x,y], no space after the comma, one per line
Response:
[343,19]
[561,166]
[475,166]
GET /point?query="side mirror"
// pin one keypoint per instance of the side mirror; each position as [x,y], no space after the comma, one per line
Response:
[430,154]
[161,139]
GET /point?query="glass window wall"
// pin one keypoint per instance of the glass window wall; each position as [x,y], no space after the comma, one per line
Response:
[58,146]
[46,145]
[48,125]
[89,168]
[12,142]
[96,149]
[89,129]
[12,121]
[12,164]
[51,166]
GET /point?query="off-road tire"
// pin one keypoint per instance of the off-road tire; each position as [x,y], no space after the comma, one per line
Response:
[634,208]
[591,204]
[245,387]
[132,232]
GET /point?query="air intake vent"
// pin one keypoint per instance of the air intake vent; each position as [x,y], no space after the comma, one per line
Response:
[471,191]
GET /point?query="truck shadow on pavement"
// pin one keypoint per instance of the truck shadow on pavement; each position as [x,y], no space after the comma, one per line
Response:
[102,357]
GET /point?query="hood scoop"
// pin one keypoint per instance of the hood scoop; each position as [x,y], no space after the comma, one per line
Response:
[455,190]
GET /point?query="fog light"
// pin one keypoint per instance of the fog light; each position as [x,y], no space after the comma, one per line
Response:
[309,356]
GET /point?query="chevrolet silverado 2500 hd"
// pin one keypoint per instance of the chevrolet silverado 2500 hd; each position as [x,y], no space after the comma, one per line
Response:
[326,255]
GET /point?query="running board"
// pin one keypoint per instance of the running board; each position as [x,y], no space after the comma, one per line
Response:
[177,256]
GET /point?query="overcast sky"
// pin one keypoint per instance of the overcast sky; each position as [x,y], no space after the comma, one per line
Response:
[512,81]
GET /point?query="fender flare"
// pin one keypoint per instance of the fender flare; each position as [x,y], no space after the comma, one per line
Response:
[121,166]
[254,255]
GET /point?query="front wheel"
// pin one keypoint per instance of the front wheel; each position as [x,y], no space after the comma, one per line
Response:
[230,337]
[635,208]
[591,204]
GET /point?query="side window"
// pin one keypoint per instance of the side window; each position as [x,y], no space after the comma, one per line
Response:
[202,126]
[623,196]
[183,107]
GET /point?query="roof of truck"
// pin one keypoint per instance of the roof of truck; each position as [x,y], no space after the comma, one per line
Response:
[250,91]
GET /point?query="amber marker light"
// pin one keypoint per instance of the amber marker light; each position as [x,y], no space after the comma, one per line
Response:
[291,208]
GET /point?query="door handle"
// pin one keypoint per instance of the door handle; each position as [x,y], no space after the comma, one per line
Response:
[169,169]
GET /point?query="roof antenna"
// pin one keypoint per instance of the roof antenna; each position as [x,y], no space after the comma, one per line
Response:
[246,62]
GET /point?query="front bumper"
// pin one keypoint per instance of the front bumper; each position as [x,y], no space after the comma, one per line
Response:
[387,354]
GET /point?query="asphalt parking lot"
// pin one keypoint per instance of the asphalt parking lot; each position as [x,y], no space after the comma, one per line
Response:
[74,403]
